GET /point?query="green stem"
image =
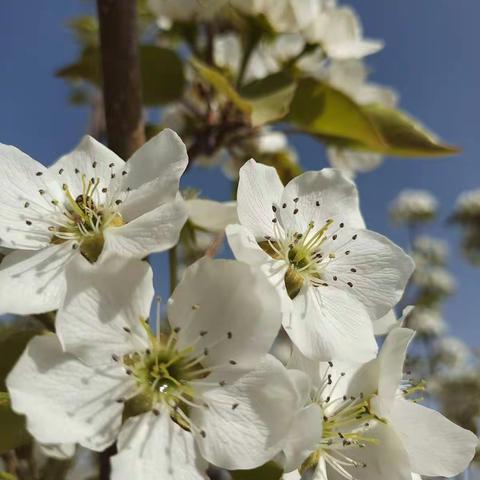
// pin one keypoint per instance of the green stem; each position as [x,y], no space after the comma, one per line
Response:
[172,261]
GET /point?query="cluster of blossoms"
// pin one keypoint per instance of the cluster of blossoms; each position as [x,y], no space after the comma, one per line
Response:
[323,40]
[202,387]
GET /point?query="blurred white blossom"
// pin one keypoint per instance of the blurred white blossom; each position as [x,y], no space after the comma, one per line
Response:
[452,352]
[427,321]
[412,206]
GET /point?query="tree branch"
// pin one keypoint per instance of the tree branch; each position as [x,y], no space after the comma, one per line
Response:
[121,75]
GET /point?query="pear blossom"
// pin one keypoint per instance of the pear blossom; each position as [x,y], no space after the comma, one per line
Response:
[87,204]
[211,216]
[429,250]
[451,352]
[336,278]
[437,281]
[413,206]
[427,321]
[364,422]
[205,392]
[339,32]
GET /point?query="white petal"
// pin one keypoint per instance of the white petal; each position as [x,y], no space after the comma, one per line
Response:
[329,324]
[154,173]
[154,447]
[292,475]
[59,451]
[244,245]
[210,215]
[34,281]
[369,266]
[310,367]
[384,324]
[246,423]
[155,231]
[64,400]
[391,359]
[20,185]
[246,249]
[104,307]
[90,159]
[435,445]
[241,327]
[385,460]
[304,436]
[259,188]
[336,195]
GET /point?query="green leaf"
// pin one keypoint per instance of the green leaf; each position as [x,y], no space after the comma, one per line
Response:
[12,345]
[221,84]
[269,471]
[163,79]
[269,97]
[13,433]
[263,101]
[85,28]
[404,135]
[7,476]
[320,109]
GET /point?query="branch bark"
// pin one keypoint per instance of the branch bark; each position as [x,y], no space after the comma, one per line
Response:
[121,75]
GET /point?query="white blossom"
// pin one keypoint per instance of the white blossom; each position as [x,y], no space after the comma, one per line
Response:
[451,352]
[207,386]
[427,321]
[429,250]
[309,237]
[468,204]
[87,204]
[362,422]
[412,206]
[210,215]
[436,280]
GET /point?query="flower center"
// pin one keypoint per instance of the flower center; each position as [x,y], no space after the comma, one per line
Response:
[302,252]
[83,218]
[347,424]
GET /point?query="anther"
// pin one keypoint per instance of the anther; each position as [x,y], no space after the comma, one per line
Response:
[335,278]
[195,307]
[222,383]
[235,406]
[350,284]
[330,364]
[61,171]
[295,211]
[274,208]
[115,358]
[156,412]
[347,252]
[104,190]
[39,174]
[353,270]
[118,202]
[233,362]
[203,433]
[41,192]
[112,176]
[74,246]
[176,329]
[203,333]
[229,335]
[342,225]
[124,172]
[77,170]
[26,204]
[334,237]
[284,205]
[28,222]
[205,351]
[111,165]
[317,203]
[354,237]
[94,164]
[296,200]
[274,220]
[126,329]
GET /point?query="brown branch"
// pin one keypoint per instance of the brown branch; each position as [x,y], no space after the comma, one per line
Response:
[121,75]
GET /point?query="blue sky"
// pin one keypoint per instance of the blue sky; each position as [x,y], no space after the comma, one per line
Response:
[431,59]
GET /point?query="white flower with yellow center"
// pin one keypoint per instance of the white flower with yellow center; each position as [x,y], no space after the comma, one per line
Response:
[334,276]
[88,203]
[208,386]
[363,423]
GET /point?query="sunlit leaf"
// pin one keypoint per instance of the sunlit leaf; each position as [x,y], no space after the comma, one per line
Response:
[320,109]
[7,476]
[263,101]
[270,98]
[221,84]
[13,433]
[404,135]
[269,471]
